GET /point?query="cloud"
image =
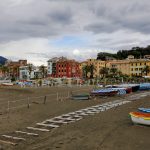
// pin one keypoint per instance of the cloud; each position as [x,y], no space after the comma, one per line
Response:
[38,30]
[76,52]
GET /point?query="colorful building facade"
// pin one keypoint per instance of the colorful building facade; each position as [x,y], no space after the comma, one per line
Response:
[67,68]
[63,67]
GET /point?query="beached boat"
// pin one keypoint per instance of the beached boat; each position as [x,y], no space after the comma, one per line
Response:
[7,84]
[104,92]
[120,91]
[146,110]
[81,97]
[140,118]
[133,87]
[144,86]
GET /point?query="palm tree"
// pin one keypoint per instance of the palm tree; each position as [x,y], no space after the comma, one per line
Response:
[91,70]
[104,71]
[114,71]
[85,71]
[30,68]
[43,70]
[146,70]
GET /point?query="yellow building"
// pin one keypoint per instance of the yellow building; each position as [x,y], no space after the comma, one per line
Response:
[98,64]
[121,65]
[137,66]
[129,66]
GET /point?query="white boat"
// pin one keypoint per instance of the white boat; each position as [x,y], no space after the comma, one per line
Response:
[7,84]
[140,118]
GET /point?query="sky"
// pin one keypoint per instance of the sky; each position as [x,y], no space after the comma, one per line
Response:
[38,30]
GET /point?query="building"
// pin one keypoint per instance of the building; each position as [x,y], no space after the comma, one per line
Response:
[121,65]
[130,57]
[25,74]
[13,67]
[129,66]
[137,66]
[51,67]
[67,68]
[63,67]
[98,65]
[146,56]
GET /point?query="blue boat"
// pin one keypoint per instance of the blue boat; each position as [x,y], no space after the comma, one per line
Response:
[146,110]
[144,86]
[104,92]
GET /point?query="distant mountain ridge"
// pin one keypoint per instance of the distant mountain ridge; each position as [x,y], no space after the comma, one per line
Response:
[2,60]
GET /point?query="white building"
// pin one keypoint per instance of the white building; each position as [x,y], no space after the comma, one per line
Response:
[51,66]
[24,73]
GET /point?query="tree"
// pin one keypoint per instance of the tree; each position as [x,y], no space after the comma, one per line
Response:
[91,70]
[30,68]
[43,70]
[85,71]
[146,70]
[104,71]
[114,71]
[4,70]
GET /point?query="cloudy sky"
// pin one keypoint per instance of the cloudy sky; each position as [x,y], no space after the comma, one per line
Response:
[41,29]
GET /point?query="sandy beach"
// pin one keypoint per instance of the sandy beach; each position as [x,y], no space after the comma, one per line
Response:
[108,130]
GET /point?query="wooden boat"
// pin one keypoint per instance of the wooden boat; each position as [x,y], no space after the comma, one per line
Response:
[140,118]
[81,97]
[146,110]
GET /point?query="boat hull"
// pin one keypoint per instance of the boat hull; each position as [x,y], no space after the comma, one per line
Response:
[80,97]
[7,84]
[139,120]
[145,110]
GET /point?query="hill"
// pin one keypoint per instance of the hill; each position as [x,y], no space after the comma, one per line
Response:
[2,60]
[137,52]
